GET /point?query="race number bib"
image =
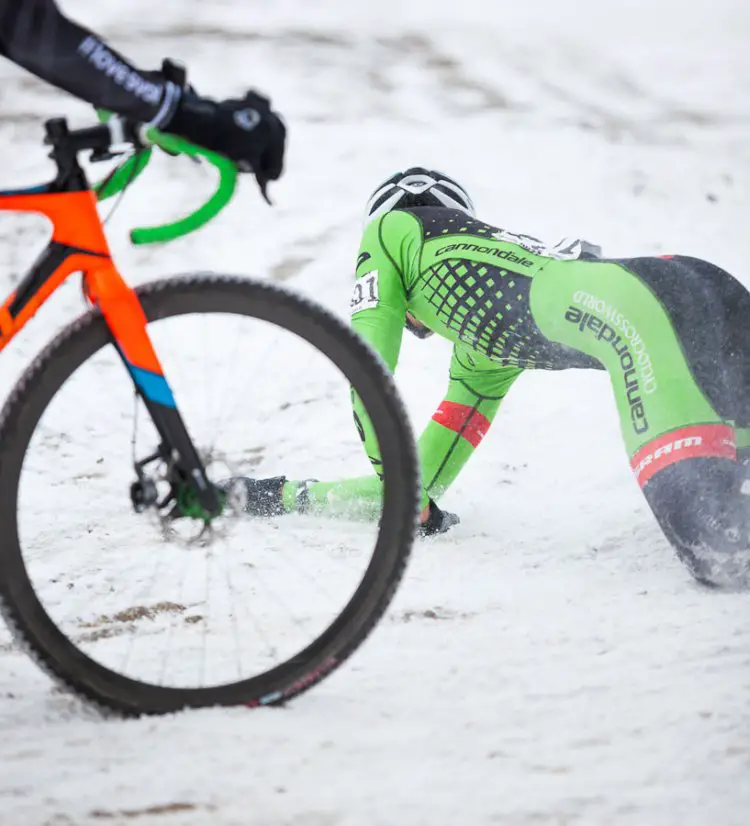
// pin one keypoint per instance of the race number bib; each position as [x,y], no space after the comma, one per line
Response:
[365,295]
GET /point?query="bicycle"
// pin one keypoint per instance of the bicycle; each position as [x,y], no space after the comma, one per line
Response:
[51,591]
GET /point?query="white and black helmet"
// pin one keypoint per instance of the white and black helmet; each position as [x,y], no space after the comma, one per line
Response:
[418,187]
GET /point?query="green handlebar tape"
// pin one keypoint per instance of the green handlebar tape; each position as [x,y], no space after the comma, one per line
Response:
[123,175]
[202,215]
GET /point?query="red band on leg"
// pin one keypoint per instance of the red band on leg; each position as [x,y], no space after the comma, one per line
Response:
[464,420]
[695,442]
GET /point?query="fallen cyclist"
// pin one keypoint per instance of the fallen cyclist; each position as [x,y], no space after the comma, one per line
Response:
[671,332]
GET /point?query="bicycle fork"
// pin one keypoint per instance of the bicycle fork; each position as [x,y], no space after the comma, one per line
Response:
[122,310]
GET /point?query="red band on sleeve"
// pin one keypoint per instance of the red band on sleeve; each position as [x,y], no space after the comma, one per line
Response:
[467,421]
[694,442]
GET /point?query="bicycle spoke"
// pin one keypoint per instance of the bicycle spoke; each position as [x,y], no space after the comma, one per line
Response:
[189,609]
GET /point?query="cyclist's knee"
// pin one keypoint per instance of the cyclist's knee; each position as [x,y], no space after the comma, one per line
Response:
[700,508]
[720,565]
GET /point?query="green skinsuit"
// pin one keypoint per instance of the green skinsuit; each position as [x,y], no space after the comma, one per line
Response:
[510,304]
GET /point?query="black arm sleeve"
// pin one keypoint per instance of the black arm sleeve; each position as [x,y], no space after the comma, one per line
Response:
[37,36]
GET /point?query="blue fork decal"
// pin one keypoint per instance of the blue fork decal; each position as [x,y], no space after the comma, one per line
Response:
[153,386]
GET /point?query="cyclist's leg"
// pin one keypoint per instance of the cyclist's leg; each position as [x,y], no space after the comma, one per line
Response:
[705,300]
[736,300]
[659,329]
[358,498]
[730,311]
[709,309]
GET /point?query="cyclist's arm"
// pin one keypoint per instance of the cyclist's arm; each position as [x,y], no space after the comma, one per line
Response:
[476,388]
[36,35]
[378,307]
[475,392]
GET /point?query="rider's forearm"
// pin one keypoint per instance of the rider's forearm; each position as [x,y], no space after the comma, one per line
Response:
[460,423]
[37,36]
[450,439]
[446,444]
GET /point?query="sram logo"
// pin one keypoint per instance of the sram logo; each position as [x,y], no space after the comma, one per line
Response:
[666,450]
[695,442]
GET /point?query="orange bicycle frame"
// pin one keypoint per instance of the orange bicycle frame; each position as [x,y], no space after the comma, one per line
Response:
[78,244]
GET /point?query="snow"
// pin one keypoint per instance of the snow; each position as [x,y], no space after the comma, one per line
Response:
[549,662]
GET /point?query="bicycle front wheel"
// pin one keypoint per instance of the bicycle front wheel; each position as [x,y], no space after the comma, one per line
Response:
[144,617]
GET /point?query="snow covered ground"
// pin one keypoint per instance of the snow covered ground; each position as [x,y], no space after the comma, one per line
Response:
[549,662]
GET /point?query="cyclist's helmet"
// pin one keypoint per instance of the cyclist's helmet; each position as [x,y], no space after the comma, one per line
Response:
[418,187]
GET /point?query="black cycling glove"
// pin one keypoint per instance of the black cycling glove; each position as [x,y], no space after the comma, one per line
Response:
[246,130]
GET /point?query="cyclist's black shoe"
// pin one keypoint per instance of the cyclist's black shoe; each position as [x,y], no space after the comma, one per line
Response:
[258,497]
